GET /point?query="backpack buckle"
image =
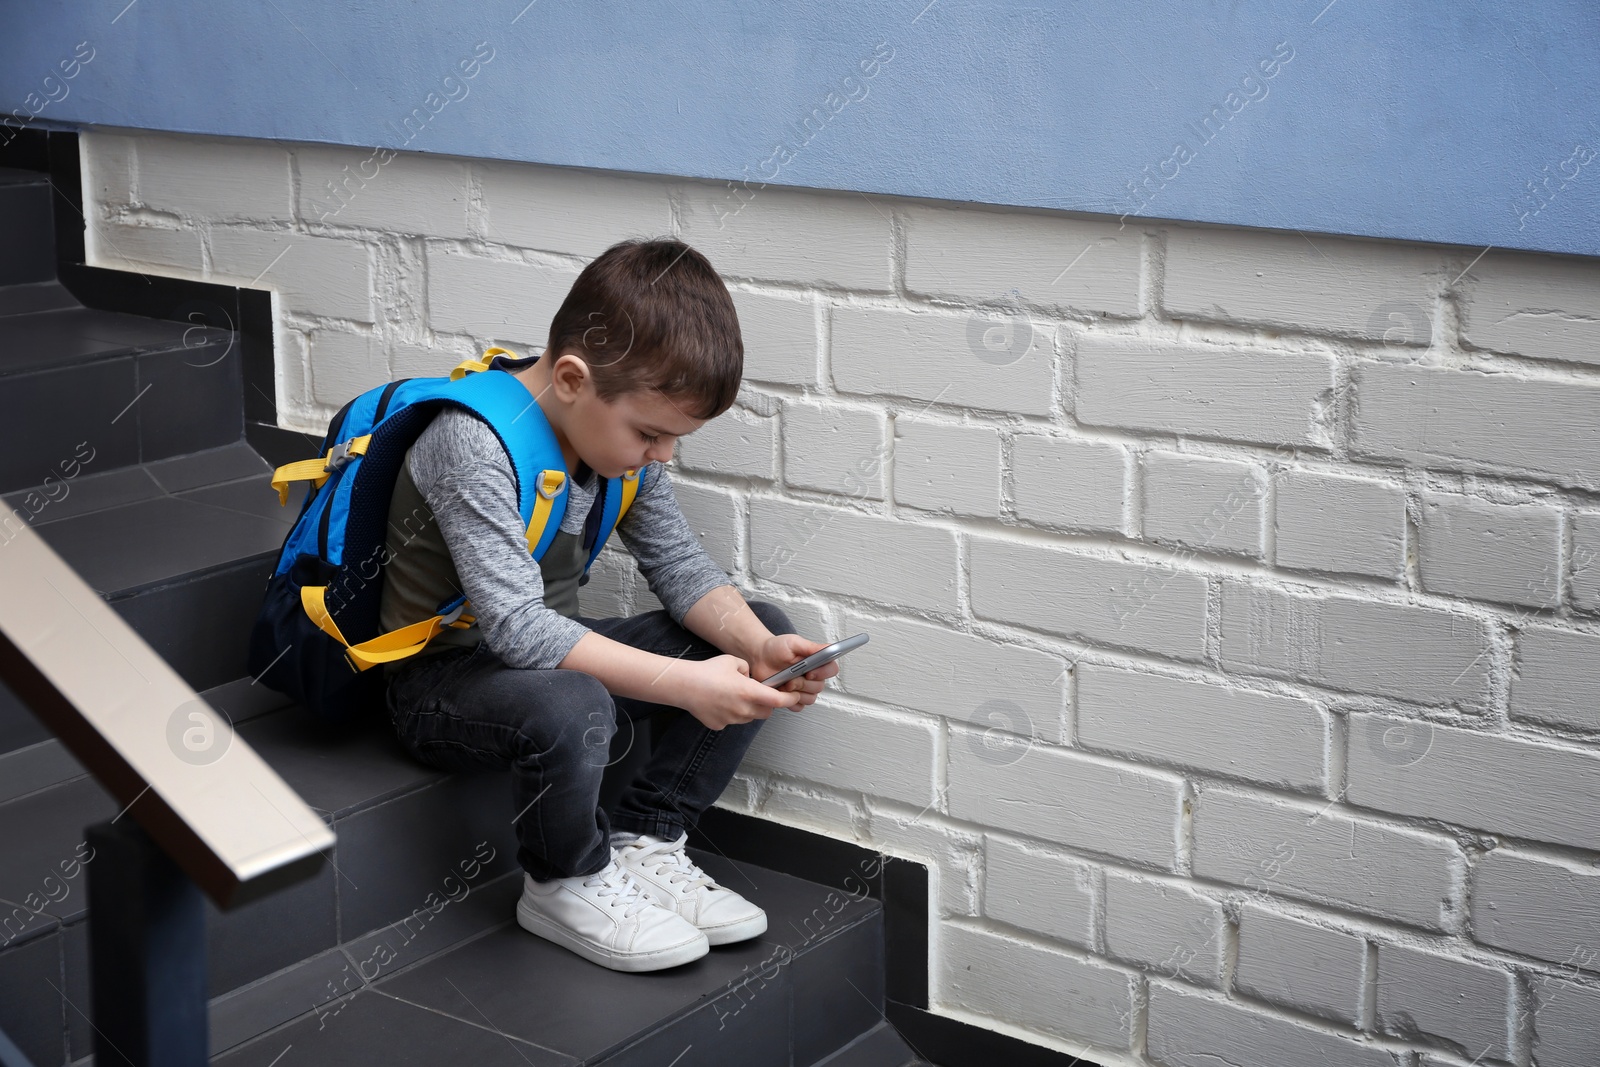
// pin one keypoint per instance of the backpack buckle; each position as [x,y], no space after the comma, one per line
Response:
[339,455]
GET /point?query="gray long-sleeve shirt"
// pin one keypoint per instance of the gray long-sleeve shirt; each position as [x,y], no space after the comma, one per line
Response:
[454,526]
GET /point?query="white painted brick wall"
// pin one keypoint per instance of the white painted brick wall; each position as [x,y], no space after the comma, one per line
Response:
[1264,737]
[1466,1003]
[1210,505]
[1166,929]
[1557,679]
[1331,523]
[1070,483]
[1543,307]
[1309,851]
[952,469]
[1300,965]
[1545,908]
[1034,890]
[835,449]
[1142,383]
[1472,548]
[1360,724]
[1187,1029]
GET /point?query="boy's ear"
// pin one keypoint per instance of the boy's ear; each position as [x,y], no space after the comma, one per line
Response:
[567,377]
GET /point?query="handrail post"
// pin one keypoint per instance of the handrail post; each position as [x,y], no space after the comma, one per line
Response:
[147,953]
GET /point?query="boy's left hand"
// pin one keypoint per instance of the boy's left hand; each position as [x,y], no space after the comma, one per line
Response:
[783,650]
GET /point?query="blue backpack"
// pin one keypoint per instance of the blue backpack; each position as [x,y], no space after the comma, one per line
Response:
[317,635]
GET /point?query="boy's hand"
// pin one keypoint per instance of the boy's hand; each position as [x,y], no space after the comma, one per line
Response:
[720,692]
[782,650]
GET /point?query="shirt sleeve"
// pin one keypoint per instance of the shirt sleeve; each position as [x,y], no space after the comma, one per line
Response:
[466,478]
[674,563]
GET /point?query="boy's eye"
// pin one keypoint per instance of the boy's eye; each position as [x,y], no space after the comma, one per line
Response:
[649,438]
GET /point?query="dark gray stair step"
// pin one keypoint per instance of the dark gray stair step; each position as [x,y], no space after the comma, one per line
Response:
[28,254]
[750,1003]
[88,391]
[882,1046]
[182,548]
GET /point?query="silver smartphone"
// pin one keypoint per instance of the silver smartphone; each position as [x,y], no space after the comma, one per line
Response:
[815,660]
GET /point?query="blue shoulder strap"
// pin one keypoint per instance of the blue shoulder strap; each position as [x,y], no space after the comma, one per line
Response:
[619,493]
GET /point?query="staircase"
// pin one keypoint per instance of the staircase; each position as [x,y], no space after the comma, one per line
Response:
[127,450]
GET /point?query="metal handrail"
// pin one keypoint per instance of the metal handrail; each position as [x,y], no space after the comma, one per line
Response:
[226,818]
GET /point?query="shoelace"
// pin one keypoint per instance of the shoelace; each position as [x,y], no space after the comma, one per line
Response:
[669,856]
[619,882]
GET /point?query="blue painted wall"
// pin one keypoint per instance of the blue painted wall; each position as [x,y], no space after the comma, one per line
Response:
[1470,121]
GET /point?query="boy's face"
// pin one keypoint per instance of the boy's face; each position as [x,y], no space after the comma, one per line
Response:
[627,431]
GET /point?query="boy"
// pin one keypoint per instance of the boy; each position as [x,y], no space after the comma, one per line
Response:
[644,349]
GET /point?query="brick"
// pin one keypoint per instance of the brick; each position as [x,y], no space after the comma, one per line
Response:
[936,670]
[808,617]
[109,165]
[1340,525]
[1064,796]
[851,749]
[793,807]
[927,356]
[1507,785]
[1334,285]
[1300,965]
[1466,1003]
[713,515]
[1194,1030]
[1565,1034]
[214,178]
[1167,929]
[131,248]
[312,275]
[1422,654]
[1043,259]
[1557,678]
[1547,909]
[780,337]
[1051,895]
[412,193]
[571,210]
[952,469]
[493,298]
[1504,552]
[1308,851]
[1275,740]
[1585,567]
[1069,483]
[1089,598]
[1209,504]
[1541,306]
[344,365]
[1035,988]
[737,442]
[790,235]
[1203,391]
[835,449]
[1434,417]
[426,361]
[831,550]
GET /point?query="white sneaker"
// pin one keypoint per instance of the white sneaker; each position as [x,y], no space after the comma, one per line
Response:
[674,881]
[607,919]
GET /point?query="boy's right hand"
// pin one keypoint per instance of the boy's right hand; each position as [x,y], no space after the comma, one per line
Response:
[720,692]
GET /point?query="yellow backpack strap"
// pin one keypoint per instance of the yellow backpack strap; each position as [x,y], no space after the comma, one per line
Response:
[630,489]
[316,471]
[385,648]
[550,483]
[481,363]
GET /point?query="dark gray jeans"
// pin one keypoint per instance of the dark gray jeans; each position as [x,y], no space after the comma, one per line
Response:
[465,708]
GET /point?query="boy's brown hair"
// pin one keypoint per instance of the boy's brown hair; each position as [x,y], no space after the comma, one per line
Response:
[653,314]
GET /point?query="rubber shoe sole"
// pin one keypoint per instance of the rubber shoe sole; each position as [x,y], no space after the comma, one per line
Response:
[632,962]
[743,930]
